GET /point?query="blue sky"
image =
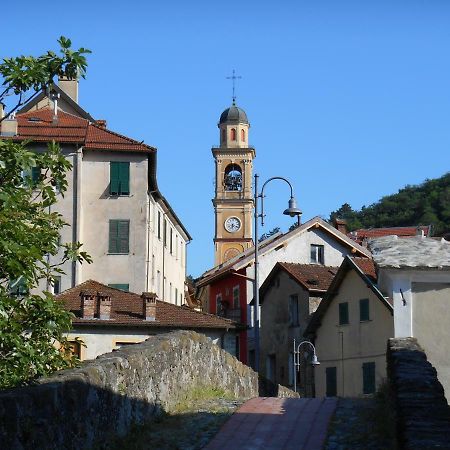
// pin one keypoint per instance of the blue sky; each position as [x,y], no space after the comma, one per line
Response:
[350,100]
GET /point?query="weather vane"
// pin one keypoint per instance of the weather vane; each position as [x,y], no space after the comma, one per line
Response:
[234,77]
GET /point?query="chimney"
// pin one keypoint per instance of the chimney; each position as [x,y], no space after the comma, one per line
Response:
[88,304]
[149,305]
[69,87]
[104,306]
[101,123]
[9,126]
[341,225]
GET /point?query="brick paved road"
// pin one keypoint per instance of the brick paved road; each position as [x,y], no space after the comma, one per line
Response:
[271,423]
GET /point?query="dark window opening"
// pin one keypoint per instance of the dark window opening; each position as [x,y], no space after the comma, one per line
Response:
[233,178]
[343,313]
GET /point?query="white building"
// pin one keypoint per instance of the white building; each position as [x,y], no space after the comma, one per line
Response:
[112,204]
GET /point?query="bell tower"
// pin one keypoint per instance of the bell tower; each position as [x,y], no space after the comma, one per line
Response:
[233,200]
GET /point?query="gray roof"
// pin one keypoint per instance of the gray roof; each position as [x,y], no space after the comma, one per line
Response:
[415,252]
[233,114]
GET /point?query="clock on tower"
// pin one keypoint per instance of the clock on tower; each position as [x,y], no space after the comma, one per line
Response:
[233,200]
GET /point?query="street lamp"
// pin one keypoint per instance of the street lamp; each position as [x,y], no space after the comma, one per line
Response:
[314,360]
[291,211]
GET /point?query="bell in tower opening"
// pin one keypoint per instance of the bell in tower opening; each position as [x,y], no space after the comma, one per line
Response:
[233,178]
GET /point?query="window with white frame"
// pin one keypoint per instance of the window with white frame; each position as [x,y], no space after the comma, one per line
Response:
[317,254]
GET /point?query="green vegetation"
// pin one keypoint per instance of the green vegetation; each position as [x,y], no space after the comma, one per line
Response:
[31,323]
[425,204]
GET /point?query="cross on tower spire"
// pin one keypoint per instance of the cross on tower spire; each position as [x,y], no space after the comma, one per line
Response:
[234,77]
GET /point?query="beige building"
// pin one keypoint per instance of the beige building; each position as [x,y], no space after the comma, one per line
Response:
[289,296]
[350,330]
[415,272]
[112,205]
[107,318]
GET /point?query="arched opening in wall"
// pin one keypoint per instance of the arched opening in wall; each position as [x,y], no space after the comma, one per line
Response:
[224,135]
[233,134]
[243,135]
[233,178]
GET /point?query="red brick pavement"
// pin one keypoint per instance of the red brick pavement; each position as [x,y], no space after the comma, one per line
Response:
[271,423]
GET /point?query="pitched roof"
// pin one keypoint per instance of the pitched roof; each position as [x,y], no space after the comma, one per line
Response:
[39,126]
[362,235]
[312,277]
[417,252]
[365,268]
[127,310]
[245,258]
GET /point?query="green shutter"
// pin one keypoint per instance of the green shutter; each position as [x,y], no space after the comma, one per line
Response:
[368,377]
[122,287]
[343,313]
[331,380]
[124,236]
[364,309]
[114,178]
[124,177]
[113,241]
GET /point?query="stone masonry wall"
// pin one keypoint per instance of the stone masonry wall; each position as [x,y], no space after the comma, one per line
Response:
[86,407]
[423,415]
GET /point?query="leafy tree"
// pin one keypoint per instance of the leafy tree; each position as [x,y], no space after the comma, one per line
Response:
[32,323]
[268,234]
[425,204]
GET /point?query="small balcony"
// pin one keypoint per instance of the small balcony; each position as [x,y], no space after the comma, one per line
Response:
[232,314]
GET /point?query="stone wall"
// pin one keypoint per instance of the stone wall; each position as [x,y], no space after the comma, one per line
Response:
[88,406]
[423,415]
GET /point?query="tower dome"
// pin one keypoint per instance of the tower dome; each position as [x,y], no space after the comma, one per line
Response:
[233,114]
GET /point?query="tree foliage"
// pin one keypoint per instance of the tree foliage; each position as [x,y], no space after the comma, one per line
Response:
[425,204]
[32,323]
[270,233]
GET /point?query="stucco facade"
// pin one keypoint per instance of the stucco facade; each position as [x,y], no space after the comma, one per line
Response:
[345,348]
[153,259]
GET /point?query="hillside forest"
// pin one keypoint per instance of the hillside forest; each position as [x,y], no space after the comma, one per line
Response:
[424,204]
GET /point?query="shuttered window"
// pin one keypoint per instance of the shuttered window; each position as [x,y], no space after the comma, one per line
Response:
[119,176]
[343,313]
[331,380]
[122,287]
[364,310]
[119,236]
[368,370]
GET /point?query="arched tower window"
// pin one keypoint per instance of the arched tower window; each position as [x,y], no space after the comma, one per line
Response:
[243,135]
[233,134]
[233,178]
[224,135]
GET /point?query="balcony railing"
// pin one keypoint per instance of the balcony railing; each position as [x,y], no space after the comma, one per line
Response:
[232,314]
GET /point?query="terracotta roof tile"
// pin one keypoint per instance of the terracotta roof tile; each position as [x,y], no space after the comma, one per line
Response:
[127,310]
[367,266]
[39,126]
[362,235]
[311,276]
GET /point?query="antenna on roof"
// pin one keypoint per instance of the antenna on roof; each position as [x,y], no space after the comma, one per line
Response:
[234,77]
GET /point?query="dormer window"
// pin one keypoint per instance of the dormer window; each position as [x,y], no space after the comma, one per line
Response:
[233,178]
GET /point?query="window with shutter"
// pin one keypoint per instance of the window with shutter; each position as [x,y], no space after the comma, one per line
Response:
[343,313]
[331,381]
[364,310]
[119,178]
[119,236]
[368,370]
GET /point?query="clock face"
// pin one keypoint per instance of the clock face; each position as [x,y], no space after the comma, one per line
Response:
[232,224]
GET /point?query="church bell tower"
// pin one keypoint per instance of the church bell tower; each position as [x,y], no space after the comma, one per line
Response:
[233,201]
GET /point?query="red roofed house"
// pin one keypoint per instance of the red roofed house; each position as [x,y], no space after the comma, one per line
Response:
[113,204]
[289,296]
[362,236]
[107,318]
[350,330]
[227,289]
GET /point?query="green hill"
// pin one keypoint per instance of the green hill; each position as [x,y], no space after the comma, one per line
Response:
[424,204]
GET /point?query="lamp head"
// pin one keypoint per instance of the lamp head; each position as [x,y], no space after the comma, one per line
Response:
[292,209]
[314,360]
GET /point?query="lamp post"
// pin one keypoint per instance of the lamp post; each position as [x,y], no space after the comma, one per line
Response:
[291,211]
[314,361]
